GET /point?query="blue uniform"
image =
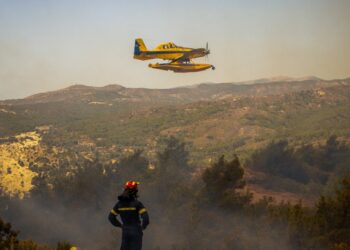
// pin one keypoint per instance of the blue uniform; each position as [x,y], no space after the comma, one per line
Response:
[131,212]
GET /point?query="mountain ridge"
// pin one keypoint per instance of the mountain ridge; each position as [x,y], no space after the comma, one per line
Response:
[185,94]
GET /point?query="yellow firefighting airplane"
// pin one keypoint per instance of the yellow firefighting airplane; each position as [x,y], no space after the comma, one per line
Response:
[180,58]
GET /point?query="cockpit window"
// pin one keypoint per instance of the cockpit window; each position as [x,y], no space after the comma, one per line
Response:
[169,46]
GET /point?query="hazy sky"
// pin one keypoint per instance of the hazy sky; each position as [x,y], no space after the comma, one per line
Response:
[51,44]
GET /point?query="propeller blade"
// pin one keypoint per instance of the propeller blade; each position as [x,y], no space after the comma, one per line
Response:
[207,51]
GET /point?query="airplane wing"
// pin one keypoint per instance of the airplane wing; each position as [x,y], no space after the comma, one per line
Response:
[182,58]
[186,56]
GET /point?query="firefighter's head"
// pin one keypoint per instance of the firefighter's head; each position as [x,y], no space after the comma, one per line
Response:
[131,187]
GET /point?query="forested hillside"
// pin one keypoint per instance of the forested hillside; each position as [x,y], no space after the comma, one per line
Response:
[213,119]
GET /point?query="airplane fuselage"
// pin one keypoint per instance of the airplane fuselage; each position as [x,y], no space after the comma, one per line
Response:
[168,51]
[169,54]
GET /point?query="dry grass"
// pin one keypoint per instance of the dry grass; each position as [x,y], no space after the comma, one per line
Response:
[15,158]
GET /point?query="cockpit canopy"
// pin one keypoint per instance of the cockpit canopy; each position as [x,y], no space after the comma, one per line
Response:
[167,46]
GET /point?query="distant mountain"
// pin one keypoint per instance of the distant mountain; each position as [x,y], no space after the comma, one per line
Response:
[285,79]
[205,91]
[224,118]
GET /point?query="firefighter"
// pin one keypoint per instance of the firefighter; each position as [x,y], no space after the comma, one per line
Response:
[130,211]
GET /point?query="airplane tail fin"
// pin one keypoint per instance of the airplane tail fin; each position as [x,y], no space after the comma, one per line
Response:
[139,46]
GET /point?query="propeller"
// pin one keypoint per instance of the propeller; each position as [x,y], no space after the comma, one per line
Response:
[207,48]
[206,56]
[207,51]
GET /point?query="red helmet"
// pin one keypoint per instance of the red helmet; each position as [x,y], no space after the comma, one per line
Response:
[132,185]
